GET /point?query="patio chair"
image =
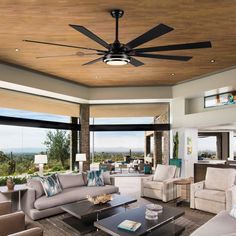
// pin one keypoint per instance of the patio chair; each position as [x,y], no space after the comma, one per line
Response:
[13,224]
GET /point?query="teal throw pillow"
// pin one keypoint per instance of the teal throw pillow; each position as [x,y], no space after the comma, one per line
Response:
[95,178]
[51,185]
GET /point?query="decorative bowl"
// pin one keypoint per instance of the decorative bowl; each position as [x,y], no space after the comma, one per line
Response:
[152,211]
[101,199]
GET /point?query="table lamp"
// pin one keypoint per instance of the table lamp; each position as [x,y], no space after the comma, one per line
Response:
[40,160]
[80,157]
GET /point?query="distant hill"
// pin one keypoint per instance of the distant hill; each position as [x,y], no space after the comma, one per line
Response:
[117,149]
[99,149]
[23,150]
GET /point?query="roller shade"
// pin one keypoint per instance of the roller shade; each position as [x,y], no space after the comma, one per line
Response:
[28,102]
[128,110]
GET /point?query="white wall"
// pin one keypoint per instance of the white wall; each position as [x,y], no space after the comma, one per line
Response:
[187,105]
[188,159]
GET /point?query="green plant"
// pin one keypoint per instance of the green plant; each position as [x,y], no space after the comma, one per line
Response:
[176,145]
[16,180]
[56,168]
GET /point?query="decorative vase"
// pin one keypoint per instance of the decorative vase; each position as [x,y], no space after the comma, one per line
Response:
[10,184]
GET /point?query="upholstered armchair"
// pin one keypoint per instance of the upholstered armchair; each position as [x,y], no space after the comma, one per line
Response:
[161,185]
[216,193]
[13,224]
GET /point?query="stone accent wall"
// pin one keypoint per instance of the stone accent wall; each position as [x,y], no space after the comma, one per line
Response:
[84,136]
[164,118]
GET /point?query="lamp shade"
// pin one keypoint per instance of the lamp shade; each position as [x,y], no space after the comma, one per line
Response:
[80,157]
[40,159]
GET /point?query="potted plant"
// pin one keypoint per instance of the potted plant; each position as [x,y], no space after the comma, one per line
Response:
[176,161]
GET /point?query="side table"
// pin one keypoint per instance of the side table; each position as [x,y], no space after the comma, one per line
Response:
[185,193]
[17,188]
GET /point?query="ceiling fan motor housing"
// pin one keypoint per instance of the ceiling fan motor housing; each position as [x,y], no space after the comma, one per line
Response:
[117,59]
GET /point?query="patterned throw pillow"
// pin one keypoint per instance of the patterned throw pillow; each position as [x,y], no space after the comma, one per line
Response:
[95,178]
[233,212]
[51,185]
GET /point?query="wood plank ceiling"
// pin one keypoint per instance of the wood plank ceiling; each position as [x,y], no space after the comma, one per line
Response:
[47,20]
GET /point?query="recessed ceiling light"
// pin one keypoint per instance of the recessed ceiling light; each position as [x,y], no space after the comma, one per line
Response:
[17,49]
[172,74]
[212,60]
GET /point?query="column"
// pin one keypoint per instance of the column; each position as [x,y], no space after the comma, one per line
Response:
[147,149]
[73,144]
[157,152]
[84,135]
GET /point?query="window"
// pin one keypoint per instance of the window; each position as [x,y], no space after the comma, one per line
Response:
[207,147]
[18,145]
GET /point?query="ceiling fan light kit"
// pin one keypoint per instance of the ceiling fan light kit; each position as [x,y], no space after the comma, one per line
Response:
[118,54]
[116,59]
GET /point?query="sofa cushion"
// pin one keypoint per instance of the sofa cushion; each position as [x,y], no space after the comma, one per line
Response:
[219,178]
[95,178]
[221,224]
[164,172]
[213,195]
[72,195]
[71,180]
[35,184]
[153,185]
[51,185]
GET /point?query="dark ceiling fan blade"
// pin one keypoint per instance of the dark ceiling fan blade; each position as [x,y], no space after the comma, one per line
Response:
[79,54]
[69,55]
[62,45]
[92,62]
[135,62]
[91,35]
[206,44]
[155,32]
[165,57]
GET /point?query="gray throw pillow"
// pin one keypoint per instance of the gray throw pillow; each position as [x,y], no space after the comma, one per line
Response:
[106,177]
[71,180]
[51,185]
[95,178]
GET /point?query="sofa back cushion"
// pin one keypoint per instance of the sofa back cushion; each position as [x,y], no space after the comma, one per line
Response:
[219,178]
[35,184]
[164,172]
[51,185]
[71,180]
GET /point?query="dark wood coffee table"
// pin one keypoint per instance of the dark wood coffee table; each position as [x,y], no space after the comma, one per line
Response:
[83,214]
[163,226]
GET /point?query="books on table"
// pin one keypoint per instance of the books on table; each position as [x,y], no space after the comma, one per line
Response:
[129,225]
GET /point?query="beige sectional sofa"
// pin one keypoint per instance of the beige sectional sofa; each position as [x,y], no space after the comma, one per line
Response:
[221,224]
[36,205]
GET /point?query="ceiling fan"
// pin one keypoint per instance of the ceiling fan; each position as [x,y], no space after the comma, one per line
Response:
[118,53]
